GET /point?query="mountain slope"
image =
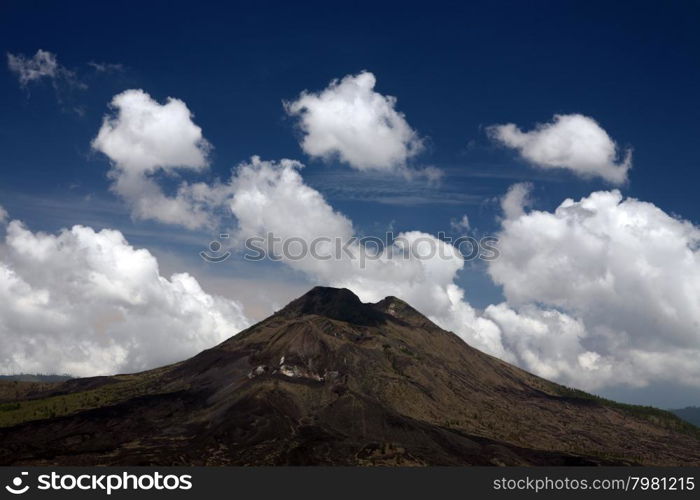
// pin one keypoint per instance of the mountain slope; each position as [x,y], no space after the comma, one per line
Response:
[690,414]
[330,380]
[28,377]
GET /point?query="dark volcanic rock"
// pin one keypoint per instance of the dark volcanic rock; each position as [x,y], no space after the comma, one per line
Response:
[334,303]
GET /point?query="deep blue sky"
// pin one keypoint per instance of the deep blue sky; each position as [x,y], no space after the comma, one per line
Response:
[455,68]
[635,67]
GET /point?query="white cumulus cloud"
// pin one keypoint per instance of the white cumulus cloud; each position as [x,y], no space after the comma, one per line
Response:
[551,344]
[516,199]
[84,303]
[625,278]
[351,121]
[144,138]
[143,135]
[574,142]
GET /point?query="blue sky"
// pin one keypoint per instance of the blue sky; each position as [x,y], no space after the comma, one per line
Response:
[455,68]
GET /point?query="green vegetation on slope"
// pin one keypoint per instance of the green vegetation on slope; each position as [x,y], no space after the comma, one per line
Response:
[124,387]
[657,416]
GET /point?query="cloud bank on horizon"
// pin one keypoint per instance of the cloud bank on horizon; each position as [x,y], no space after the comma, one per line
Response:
[624,314]
[85,302]
[603,289]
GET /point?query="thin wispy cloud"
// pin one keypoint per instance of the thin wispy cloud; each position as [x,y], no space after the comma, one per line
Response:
[103,67]
[42,66]
[383,188]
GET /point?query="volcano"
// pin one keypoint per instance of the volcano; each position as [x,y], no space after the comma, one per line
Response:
[330,380]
